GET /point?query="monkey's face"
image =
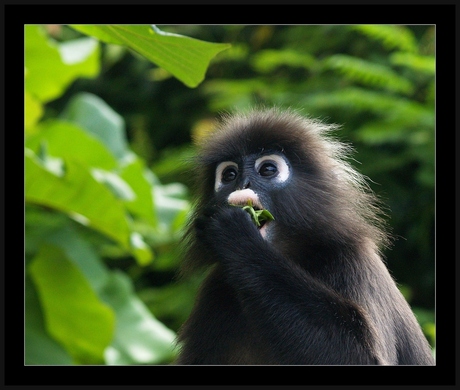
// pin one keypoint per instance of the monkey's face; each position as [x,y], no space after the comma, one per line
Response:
[290,166]
[255,178]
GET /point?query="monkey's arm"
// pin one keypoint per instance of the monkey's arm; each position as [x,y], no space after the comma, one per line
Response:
[216,313]
[301,320]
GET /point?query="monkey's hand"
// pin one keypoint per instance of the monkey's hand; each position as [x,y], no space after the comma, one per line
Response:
[229,232]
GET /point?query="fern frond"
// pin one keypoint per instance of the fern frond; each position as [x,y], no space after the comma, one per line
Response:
[392,37]
[368,73]
[402,110]
[387,131]
[416,62]
[382,132]
[267,60]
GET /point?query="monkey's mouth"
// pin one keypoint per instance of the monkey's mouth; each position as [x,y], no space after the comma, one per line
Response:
[259,221]
[263,228]
[260,216]
[264,219]
[248,200]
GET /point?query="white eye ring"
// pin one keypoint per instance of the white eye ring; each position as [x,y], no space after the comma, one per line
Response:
[281,165]
[219,170]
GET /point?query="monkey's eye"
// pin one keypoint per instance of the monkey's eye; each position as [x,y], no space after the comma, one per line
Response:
[229,174]
[226,172]
[273,166]
[268,169]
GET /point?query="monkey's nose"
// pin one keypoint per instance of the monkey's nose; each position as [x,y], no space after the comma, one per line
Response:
[246,184]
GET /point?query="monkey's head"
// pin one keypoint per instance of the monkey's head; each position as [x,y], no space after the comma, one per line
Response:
[292,167]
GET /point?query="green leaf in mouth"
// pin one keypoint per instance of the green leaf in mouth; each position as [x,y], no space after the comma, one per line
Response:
[258,216]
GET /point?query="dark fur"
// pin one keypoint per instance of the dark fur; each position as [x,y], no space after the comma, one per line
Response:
[316,292]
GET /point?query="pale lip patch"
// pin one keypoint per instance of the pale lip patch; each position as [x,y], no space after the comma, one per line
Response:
[241,197]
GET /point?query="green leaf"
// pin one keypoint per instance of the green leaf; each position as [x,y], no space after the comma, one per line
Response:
[385,105]
[173,301]
[140,249]
[268,60]
[39,347]
[89,202]
[419,63]
[139,337]
[33,112]
[369,73]
[84,147]
[381,132]
[174,161]
[49,68]
[134,172]
[115,183]
[237,94]
[116,290]
[186,58]
[78,50]
[77,192]
[265,215]
[391,36]
[40,224]
[82,255]
[403,129]
[94,115]
[73,313]
[257,216]
[169,203]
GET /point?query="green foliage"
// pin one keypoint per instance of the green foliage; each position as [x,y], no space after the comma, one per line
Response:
[376,80]
[94,115]
[37,339]
[268,60]
[368,73]
[74,315]
[90,201]
[257,216]
[76,192]
[50,67]
[392,37]
[139,337]
[111,219]
[110,291]
[85,147]
[186,58]
[416,62]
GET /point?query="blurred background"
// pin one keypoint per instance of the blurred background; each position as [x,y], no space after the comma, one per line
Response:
[376,81]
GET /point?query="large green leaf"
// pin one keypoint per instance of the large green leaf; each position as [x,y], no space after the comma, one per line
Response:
[90,148]
[52,66]
[39,347]
[184,57]
[139,337]
[77,192]
[33,110]
[73,313]
[135,325]
[135,174]
[69,140]
[82,255]
[94,115]
[170,202]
